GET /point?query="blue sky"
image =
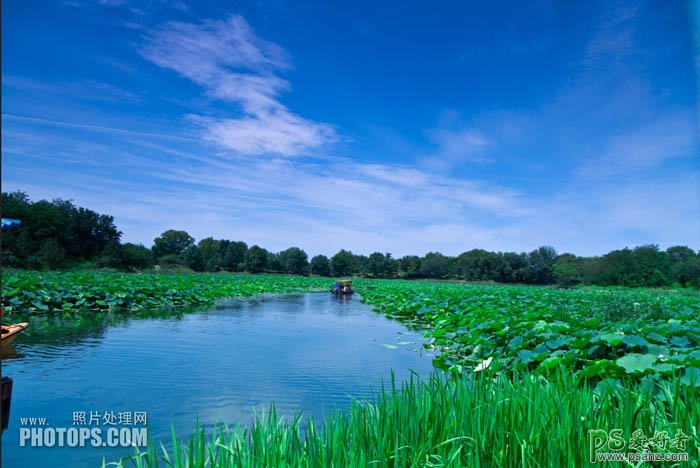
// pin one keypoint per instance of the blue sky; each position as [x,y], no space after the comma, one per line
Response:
[401,127]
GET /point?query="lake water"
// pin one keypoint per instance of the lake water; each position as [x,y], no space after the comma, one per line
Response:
[308,353]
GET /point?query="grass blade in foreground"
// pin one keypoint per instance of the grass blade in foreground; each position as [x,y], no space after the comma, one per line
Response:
[520,421]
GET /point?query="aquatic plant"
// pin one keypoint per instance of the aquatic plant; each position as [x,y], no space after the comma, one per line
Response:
[40,292]
[597,332]
[510,421]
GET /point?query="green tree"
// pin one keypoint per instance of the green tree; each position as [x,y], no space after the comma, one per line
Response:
[568,270]
[515,265]
[477,265]
[210,251]
[15,205]
[391,266]
[235,255]
[136,256]
[294,261]
[434,265]
[381,265]
[16,243]
[86,232]
[651,266]
[359,265]
[540,266]
[192,258]
[256,259]
[81,233]
[643,266]
[409,266]
[342,263]
[320,265]
[214,263]
[680,253]
[375,264]
[172,242]
[273,263]
[171,261]
[685,265]
[112,256]
[690,274]
[52,254]
[616,268]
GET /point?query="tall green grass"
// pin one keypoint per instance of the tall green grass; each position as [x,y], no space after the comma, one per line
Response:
[515,421]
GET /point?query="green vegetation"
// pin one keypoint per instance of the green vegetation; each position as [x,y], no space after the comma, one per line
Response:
[532,369]
[54,234]
[58,235]
[599,332]
[41,292]
[509,422]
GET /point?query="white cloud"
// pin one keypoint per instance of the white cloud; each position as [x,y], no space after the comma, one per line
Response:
[338,203]
[614,38]
[233,64]
[206,52]
[460,144]
[280,132]
[656,205]
[646,147]
[456,147]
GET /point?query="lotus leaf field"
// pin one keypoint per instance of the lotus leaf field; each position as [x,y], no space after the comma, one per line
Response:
[39,292]
[596,332]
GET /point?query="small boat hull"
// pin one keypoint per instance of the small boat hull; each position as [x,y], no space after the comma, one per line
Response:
[342,287]
[10,332]
[341,293]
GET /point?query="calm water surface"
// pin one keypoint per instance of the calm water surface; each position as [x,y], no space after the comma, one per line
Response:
[308,353]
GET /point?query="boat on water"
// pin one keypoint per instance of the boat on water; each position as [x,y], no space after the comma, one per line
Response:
[342,287]
[10,332]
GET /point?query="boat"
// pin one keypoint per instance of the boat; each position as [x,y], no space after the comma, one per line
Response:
[10,332]
[342,287]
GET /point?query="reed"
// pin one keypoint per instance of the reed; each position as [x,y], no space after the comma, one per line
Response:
[506,421]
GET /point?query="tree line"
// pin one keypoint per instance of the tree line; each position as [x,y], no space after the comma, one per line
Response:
[57,234]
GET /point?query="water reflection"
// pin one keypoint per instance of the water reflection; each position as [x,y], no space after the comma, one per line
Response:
[343,298]
[9,352]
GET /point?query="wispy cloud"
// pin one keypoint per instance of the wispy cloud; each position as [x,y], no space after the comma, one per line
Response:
[456,143]
[654,209]
[455,147]
[277,202]
[613,40]
[269,201]
[233,64]
[134,6]
[84,89]
[96,128]
[646,147]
